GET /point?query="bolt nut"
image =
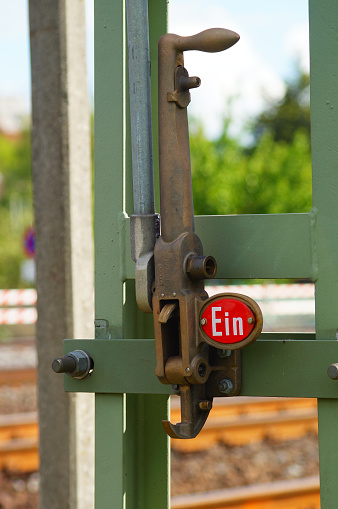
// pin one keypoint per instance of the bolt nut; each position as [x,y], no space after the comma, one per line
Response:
[222,354]
[225,386]
[77,364]
[204,321]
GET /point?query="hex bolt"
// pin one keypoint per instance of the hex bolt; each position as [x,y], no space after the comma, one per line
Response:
[77,364]
[66,364]
[332,371]
[222,354]
[225,386]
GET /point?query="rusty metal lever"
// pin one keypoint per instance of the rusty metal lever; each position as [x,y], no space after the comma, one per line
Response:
[174,152]
[183,357]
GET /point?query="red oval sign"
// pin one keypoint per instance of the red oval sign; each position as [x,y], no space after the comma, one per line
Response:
[231,320]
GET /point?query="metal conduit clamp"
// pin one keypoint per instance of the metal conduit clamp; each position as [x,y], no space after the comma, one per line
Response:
[190,329]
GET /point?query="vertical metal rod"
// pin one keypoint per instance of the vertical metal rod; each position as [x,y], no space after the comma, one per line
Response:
[140,106]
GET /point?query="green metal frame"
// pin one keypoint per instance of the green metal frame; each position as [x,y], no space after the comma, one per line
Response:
[132,450]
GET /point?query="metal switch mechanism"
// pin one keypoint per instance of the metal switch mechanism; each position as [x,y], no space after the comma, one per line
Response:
[197,339]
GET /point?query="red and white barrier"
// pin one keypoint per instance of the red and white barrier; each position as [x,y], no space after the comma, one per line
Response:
[18,307]
[267,292]
[14,316]
[25,297]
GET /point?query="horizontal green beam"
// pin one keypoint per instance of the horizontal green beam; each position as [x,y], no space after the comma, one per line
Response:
[271,246]
[286,368]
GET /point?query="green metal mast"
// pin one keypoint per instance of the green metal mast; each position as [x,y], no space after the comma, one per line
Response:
[132,452]
[324,128]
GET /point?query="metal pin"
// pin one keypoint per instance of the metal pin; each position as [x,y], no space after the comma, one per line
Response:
[205,405]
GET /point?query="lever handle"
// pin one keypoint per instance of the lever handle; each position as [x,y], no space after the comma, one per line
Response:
[174,97]
[210,41]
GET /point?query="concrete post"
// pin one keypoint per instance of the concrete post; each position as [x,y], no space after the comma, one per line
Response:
[64,244]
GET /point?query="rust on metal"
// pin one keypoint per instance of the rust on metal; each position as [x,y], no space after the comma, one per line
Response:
[183,357]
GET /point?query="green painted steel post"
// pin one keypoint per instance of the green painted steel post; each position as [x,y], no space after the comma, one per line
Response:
[109,203]
[324,126]
[132,450]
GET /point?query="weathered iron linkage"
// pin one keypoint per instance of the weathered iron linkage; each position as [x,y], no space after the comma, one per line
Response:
[185,357]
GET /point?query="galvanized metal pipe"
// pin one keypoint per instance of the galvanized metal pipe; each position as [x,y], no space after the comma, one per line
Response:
[140,106]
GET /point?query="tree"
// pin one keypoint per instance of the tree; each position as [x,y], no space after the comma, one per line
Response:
[287,116]
[16,212]
[273,176]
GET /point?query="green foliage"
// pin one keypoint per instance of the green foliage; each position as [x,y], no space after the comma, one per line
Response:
[284,118]
[274,176]
[15,205]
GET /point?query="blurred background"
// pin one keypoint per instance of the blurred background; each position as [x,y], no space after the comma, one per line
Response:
[249,120]
[250,152]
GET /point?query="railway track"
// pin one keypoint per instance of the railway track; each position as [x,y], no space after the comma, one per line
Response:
[234,420]
[17,376]
[19,442]
[241,420]
[293,494]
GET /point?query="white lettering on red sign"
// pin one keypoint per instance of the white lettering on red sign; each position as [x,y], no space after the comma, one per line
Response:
[215,321]
[236,320]
[227,320]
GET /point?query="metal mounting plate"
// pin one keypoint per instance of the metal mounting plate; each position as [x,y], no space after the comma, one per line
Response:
[286,368]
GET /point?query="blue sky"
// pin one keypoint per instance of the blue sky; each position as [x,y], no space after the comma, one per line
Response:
[273,36]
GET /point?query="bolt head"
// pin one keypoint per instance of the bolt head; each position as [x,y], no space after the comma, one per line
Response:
[332,371]
[204,321]
[174,294]
[162,294]
[250,319]
[225,386]
[187,370]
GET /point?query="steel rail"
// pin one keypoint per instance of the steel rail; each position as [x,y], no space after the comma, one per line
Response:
[240,405]
[248,420]
[18,376]
[293,494]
